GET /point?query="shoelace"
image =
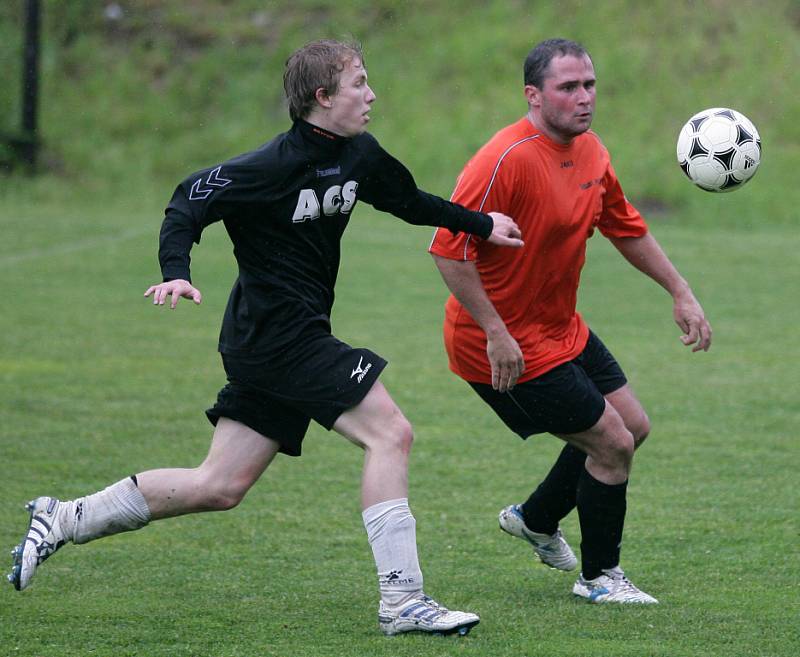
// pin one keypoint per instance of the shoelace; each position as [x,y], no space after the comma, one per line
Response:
[623,584]
[434,605]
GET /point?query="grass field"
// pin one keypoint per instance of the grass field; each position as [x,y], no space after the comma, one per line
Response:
[96,384]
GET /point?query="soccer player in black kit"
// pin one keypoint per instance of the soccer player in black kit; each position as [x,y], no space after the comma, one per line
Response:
[285,206]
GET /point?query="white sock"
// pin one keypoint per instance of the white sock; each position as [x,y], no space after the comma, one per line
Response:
[119,508]
[392,534]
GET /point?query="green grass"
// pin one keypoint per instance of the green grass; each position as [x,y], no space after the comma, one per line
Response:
[97,384]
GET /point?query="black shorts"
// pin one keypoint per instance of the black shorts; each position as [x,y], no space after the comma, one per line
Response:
[280,400]
[567,399]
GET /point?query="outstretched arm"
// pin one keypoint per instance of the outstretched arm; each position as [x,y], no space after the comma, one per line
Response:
[390,187]
[504,354]
[646,255]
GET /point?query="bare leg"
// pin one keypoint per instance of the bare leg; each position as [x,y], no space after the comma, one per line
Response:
[609,447]
[595,479]
[236,459]
[554,498]
[633,414]
[601,490]
[381,430]
[379,427]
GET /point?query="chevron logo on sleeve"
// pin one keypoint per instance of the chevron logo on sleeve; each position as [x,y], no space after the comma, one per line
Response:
[202,189]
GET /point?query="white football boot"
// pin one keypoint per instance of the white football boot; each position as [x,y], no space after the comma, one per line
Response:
[43,538]
[553,550]
[424,614]
[611,586]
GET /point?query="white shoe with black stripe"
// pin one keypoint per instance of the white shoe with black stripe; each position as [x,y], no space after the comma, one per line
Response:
[424,614]
[553,550]
[611,586]
[43,538]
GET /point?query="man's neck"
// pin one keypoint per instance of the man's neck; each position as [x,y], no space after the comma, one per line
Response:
[541,126]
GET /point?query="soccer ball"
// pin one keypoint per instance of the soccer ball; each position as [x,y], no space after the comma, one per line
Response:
[719,149]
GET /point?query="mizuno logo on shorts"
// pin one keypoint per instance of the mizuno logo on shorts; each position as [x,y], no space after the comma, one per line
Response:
[361,372]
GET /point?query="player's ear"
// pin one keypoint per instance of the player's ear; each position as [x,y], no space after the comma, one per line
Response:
[323,98]
[532,95]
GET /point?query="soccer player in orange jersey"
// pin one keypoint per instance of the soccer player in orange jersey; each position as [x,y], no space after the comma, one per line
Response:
[511,326]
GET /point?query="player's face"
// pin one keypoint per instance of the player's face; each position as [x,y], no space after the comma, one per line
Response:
[348,113]
[563,108]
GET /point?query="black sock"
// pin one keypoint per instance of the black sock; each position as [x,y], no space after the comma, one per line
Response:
[601,510]
[555,497]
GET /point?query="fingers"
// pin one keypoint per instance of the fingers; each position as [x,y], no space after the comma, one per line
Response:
[515,242]
[163,293]
[704,343]
[691,319]
[506,360]
[511,230]
[499,239]
[159,293]
[501,379]
[691,335]
[696,333]
[508,241]
[505,231]
[176,290]
[190,293]
[507,380]
[505,376]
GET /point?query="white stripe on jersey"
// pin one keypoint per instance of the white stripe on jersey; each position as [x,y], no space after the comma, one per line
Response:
[488,188]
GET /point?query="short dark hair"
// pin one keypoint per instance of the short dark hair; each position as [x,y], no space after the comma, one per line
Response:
[317,65]
[538,59]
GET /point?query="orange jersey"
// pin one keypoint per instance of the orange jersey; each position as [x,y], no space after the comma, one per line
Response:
[558,194]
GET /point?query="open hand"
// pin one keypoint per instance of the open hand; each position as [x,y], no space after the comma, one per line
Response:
[176,289]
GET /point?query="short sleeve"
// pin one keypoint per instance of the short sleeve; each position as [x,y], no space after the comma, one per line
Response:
[485,185]
[619,218]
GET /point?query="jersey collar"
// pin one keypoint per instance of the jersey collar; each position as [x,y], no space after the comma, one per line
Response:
[556,146]
[320,142]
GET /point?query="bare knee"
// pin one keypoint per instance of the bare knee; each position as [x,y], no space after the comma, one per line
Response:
[641,431]
[393,435]
[398,435]
[632,413]
[615,451]
[639,426]
[221,492]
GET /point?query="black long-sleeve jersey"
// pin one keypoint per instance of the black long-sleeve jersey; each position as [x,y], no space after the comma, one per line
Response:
[285,206]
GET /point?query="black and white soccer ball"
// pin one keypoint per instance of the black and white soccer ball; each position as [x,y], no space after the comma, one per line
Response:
[719,149]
